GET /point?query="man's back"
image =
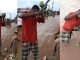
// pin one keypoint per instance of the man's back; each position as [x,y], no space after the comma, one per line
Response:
[29,29]
[71,23]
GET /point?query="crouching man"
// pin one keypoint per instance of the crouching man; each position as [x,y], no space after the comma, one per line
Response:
[72,23]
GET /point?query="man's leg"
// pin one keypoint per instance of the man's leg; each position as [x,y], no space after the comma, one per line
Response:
[65,36]
[25,50]
[0,46]
[35,50]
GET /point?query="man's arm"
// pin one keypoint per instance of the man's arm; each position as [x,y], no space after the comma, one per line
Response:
[72,15]
[41,19]
[27,14]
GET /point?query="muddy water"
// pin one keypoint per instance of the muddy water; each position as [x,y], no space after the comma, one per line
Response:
[46,39]
[7,33]
[45,33]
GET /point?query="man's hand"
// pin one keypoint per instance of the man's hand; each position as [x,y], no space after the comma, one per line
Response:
[41,12]
[24,13]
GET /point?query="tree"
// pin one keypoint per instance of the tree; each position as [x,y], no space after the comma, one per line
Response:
[42,5]
[3,15]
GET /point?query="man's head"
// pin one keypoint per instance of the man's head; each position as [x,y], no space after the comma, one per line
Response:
[35,8]
[78,13]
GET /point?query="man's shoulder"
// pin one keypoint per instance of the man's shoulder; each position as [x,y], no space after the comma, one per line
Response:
[71,13]
[29,18]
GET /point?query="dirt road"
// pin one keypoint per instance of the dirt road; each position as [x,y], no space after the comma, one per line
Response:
[46,33]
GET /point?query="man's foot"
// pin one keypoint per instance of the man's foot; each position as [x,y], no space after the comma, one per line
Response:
[78,44]
[63,41]
[45,58]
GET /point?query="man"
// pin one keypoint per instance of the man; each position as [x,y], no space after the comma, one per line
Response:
[29,32]
[2,16]
[72,23]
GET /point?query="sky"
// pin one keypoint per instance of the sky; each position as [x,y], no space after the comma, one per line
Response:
[30,3]
[10,6]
